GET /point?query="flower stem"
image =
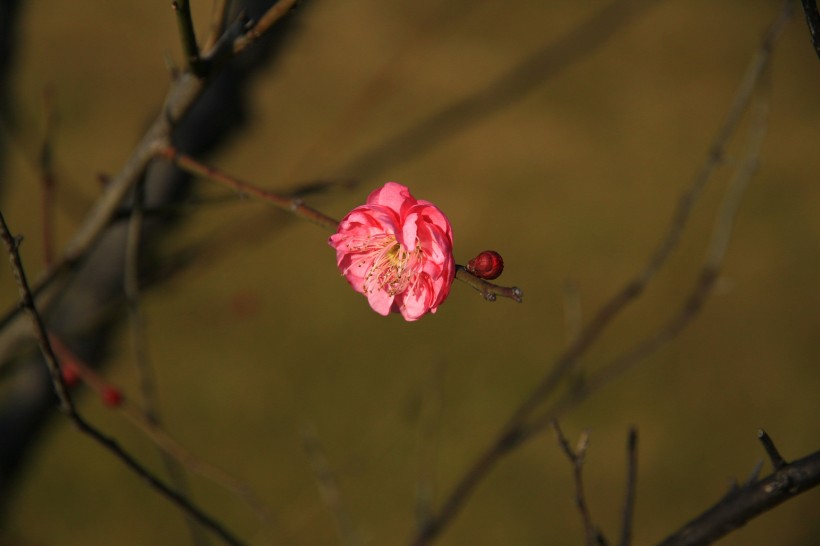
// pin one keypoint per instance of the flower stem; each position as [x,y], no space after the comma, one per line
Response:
[489,290]
[288,204]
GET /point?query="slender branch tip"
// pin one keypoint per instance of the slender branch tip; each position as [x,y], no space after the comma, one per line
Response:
[489,290]
[777,460]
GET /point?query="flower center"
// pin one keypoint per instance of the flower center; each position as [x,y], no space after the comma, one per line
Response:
[393,268]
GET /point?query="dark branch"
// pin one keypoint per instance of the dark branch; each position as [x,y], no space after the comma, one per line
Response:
[521,426]
[749,501]
[774,455]
[12,245]
[329,489]
[66,405]
[813,20]
[187,36]
[631,481]
[520,80]
[593,535]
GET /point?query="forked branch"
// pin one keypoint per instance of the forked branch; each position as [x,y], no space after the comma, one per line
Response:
[67,406]
[298,208]
[525,422]
[748,501]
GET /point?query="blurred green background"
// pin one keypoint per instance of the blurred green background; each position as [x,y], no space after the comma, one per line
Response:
[573,183]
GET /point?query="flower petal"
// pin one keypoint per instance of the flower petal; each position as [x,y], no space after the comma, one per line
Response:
[380,301]
[397,251]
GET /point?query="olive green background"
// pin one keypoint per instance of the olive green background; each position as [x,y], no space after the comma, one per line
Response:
[574,183]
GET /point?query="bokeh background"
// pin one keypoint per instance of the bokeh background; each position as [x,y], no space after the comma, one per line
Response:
[574,182]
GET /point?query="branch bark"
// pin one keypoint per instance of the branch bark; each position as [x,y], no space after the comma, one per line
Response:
[744,503]
[813,20]
[79,293]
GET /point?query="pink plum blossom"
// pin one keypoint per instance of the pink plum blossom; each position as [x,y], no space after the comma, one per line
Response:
[398,251]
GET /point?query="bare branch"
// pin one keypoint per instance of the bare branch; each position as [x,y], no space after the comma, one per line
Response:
[747,502]
[517,429]
[702,289]
[47,176]
[164,441]
[631,486]
[512,85]
[274,13]
[185,90]
[181,96]
[139,344]
[489,290]
[298,208]
[329,488]
[384,82]
[67,407]
[37,326]
[219,16]
[771,450]
[287,204]
[187,36]
[592,533]
[428,441]
[813,20]
[132,297]
[573,311]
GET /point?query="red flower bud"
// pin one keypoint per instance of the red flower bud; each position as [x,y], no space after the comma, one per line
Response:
[112,397]
[487,265]
[71,374]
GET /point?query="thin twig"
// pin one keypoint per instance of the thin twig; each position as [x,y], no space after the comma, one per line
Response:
[382,84]
[68,408]
[592,534]
[131,289]
[219,16]
[428,441]
[287,204]
[329,488]
[513,85]
[298,208]
[167,443]
[48,177]
[274,13]
[187,36]
[516,430]
[183,93]
[573,312]
[38,327]
[631,487]
[181,96]
[139,343]
[489,290]
[702,289]
[771,450]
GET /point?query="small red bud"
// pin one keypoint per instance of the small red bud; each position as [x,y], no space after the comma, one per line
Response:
[112,397]
[487,265]
[71,374]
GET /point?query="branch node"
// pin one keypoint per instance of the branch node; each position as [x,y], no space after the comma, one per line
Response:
[582,445]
